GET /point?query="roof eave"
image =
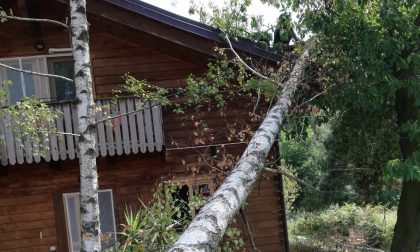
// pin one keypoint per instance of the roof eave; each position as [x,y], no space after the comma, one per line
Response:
[192,26]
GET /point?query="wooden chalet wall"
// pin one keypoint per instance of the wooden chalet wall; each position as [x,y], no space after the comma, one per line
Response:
[31,200]
[31,203]
[31,195]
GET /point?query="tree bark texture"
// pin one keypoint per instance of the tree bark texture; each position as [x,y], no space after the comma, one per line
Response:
[207,229]
[407,229]
[89,207]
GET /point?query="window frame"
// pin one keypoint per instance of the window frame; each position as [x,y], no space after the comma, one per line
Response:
[50,82]
[19,60]
[50,57]
[50,60]
[66,218]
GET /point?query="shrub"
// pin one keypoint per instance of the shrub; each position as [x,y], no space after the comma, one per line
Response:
[342,227]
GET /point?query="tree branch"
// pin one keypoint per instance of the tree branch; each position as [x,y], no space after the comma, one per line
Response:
[214,167]
[310,99]
[248,230]
[127,113]
[58,133]
[290,176]
[208,227]
[38,20]
[204,146]
[36,73]
[243,62]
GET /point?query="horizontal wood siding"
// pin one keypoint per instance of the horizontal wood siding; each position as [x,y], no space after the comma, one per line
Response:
[141,61]
[27,202]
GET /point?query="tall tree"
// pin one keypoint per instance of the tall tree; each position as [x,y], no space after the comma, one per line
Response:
[208,227]
[368,53]
[89,207]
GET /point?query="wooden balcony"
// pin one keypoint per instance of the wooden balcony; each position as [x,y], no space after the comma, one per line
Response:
[137,132]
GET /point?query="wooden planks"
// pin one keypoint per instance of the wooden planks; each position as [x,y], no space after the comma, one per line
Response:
[133,126]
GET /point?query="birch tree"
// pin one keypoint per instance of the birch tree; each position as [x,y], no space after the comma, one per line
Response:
[85,110]
[207,229]
[89,207]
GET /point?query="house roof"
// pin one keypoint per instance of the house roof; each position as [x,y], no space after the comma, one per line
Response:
[192,26]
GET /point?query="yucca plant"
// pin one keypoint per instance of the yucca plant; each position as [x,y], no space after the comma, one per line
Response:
[155,227]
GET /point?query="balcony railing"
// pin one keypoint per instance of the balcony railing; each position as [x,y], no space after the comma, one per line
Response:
[125,134]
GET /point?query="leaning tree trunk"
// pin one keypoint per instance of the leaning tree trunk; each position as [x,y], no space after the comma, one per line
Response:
[207,229]
[407,229]
[89,207]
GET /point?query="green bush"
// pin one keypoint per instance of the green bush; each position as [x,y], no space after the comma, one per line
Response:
[342,227]
[155,227]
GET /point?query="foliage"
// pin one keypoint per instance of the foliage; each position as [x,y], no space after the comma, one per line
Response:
[322,158]
[366,51]
[340,228]
[31,118]
[220,82]
[233,241]
[356,144]
[153,227]
[225,80]
[233,19]
[291,189]
[3,15]
[156,226]
[143,90]
[307,158]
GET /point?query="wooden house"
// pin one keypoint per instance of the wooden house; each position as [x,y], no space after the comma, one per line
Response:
[39,193]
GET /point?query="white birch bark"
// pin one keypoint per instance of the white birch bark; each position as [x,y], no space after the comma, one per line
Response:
[85,108]
[207,229]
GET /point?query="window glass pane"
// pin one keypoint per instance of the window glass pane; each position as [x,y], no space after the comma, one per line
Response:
[29,80]
[64,90]
[35,85]
[73,220]
[106,217]
[15,89]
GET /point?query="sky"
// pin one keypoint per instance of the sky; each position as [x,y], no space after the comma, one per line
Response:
[180,7]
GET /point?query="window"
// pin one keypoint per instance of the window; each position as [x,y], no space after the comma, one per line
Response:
[29,85]
[189,188]
[62,90]
[106,217]
[24,84]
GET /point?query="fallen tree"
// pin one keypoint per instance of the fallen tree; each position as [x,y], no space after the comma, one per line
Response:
[208,227]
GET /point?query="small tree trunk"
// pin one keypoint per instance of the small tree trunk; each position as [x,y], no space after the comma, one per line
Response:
[89,207]
[407,229]
[207,229]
